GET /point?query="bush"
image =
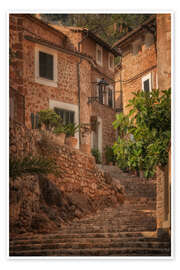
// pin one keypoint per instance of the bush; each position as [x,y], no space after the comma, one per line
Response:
[109,154]
[145,133]
[95,152]
[71,129]
[49,118]
[32,165]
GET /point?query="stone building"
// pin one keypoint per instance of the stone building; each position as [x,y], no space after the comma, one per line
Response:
[146,65]
[59,68]
[138,67]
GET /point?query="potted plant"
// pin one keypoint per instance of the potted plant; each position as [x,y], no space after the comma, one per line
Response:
[59,131]
[49,119]
[95,152]
[70,130]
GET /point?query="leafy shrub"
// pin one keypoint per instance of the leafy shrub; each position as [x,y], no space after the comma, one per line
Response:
[59,129]
[32,165]
[109,154]
[144,134]
[71,129]
[95,152]
[49,118]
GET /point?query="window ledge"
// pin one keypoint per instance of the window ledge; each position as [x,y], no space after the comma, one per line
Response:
[46,82]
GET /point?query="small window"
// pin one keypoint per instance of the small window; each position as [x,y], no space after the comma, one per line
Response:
[100,95]
[66,116]
[46,65]
[111,62]
[99,55]
[146,83]
[110,98]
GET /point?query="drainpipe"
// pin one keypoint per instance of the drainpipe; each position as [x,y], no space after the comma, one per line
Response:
[79,96]
[121,88]
[79,86]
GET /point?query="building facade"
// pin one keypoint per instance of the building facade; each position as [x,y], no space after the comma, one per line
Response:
[146,65]
[138,67]
[59,68]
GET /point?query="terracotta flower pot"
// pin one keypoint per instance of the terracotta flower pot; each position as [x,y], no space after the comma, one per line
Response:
[60,138]
[71,141]
[86,148]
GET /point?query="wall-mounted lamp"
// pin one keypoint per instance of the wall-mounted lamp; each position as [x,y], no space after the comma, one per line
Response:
[101,90]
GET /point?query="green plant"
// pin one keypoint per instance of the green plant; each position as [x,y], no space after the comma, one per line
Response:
[95,152]
[59,129]
[32,165]
[71,129]
[109,154]
[144,133]
[49,118]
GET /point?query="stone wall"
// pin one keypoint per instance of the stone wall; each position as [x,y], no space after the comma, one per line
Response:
[22,141]
[133,68]
[43,204]
[164,82]
[164,50]
[78,172]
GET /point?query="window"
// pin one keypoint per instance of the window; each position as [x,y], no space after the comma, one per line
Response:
[111,62]
[146,83]
[110,98]
[66,116]
[100,95]
[45,66]
[99,55]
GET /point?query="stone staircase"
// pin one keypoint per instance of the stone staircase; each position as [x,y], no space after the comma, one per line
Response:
[128,230]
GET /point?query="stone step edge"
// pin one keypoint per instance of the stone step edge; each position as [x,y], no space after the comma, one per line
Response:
[107,234]
[127,250]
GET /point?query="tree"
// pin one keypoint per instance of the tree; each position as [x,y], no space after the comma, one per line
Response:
[109,27]
[145,133]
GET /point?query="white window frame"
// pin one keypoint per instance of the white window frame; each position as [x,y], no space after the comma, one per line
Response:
[147,77]
[98,47]
[69,107]
[109,62]
[39,79]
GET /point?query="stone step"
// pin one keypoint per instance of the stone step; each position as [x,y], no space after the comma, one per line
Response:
[58,235]
[137,228]
[90,244]
[95,252]
[86,240]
